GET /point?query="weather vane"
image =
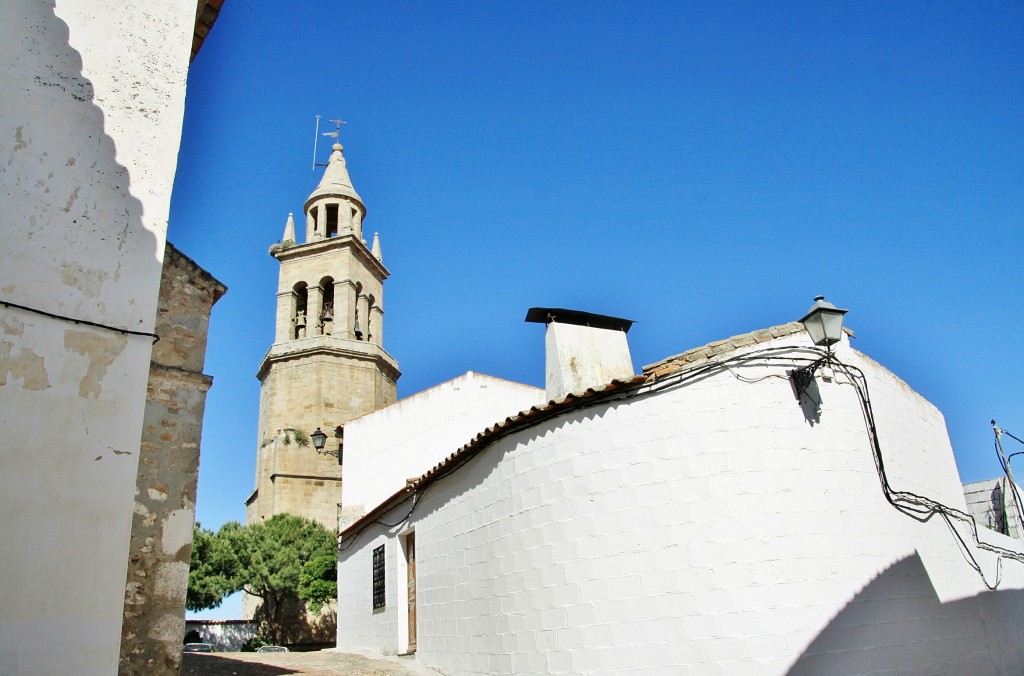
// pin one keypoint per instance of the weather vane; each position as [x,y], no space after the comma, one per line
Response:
[333,134]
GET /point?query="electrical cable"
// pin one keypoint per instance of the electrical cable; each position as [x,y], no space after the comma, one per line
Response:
[44,313]
[918,507]
[1018,439]
[914,505]
[1004,462]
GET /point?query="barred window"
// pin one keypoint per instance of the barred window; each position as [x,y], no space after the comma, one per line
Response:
[378,577]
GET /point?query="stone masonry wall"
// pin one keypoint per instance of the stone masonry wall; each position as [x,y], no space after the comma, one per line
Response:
[310,391]
[165,493]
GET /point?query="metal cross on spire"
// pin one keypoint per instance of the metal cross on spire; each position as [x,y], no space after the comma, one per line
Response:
[333,134]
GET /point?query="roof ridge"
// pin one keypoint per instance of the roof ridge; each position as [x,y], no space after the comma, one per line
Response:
[717,347]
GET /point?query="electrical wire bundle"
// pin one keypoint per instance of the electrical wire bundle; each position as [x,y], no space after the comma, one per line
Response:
[1004,462]
[918,507]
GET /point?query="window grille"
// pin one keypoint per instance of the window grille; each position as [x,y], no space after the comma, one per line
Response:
[378,577]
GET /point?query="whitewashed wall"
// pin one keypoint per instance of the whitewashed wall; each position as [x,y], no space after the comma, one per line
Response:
[706,529]
[90,122]
[388,446]
[377,629]
[577,357]
[226,636]
[992,503]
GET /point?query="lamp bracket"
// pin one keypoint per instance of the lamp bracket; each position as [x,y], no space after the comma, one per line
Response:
[339,434]
[804,376]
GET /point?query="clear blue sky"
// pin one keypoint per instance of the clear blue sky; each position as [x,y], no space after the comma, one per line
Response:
[702,168]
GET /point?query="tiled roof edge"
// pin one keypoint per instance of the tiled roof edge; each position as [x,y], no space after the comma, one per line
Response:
[705,352]
[521,420]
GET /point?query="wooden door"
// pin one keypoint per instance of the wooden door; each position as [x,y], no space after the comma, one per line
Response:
[410,553]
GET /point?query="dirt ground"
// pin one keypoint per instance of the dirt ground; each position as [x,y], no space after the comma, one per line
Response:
[320,663]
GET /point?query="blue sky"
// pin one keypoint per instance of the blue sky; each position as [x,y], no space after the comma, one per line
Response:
[702,168]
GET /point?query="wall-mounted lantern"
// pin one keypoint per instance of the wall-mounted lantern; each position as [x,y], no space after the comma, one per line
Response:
[319,439]
[824,322]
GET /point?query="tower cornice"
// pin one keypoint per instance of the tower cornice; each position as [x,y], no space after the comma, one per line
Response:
[356,350]
[338,194]
[331,244]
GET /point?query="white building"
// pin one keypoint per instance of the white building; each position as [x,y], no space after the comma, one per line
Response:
[993,504]
[91,112]
[384,448]
[698,518]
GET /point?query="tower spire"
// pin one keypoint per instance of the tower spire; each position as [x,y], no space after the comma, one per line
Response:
[334,207]
[335,181]
[376,247]
[289,229]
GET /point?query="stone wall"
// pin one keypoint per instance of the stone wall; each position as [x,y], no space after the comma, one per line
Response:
[322,381]
[165,492]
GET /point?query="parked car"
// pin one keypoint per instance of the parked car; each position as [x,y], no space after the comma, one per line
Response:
[197,648]
[272,649]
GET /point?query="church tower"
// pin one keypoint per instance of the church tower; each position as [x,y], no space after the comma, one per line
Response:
[327,364]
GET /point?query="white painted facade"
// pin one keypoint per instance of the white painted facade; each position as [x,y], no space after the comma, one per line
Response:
[714,526]
[90,123]
[407,438]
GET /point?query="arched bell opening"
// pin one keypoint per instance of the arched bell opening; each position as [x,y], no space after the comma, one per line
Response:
[358,319]
[331,221]
[301,302]
[370,328]
[327,313]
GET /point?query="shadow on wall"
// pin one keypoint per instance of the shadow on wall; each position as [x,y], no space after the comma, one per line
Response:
[75,194]
[897,624]
[997,520]
[73,245]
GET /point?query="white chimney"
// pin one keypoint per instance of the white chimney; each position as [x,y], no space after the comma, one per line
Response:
[582,350]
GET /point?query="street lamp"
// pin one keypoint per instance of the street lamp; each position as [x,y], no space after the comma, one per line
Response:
[319,439]
[824,321]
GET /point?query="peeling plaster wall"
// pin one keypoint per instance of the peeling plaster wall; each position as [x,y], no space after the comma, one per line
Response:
[165,492]
[90,122]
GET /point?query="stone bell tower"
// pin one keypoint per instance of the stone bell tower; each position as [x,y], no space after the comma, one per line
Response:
[327,364]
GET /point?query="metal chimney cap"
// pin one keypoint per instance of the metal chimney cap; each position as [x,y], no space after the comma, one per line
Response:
[546,315]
